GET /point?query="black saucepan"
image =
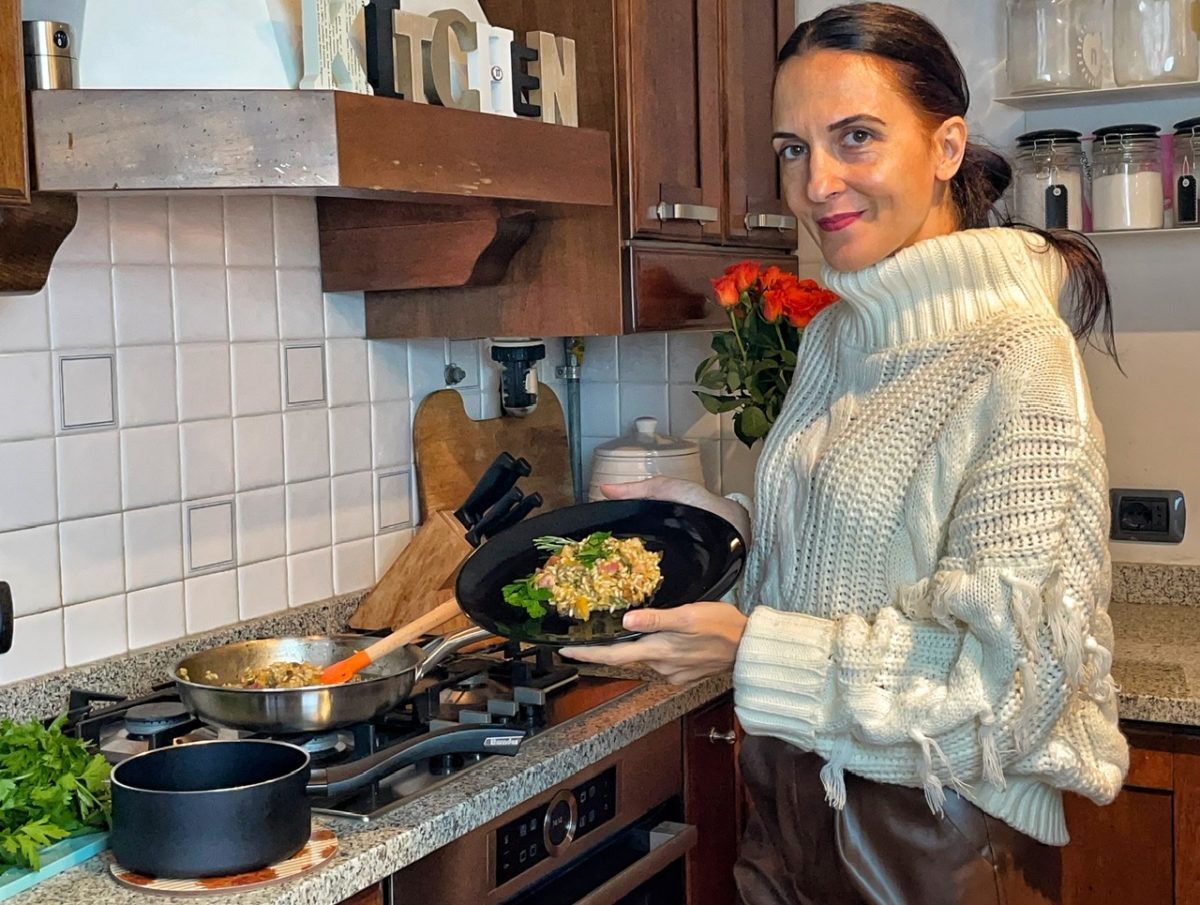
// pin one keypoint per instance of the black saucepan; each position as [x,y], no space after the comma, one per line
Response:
[218,808]
[702,558]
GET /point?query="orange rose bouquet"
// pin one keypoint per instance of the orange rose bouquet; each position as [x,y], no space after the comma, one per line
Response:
[753,363]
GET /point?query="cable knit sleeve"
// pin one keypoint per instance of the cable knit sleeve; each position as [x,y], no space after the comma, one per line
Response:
[969,669]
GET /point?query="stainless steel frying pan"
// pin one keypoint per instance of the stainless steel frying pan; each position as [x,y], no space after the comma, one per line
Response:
[316,708]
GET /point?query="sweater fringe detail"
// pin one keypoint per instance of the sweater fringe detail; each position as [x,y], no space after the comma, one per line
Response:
[1099,659]
[946,584]
[993,770]
[833,773]
[1030,704]
[1027,608]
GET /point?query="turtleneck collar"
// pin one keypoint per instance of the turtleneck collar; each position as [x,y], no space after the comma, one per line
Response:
[945,284]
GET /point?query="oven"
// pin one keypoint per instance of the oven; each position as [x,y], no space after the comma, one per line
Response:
[612,833]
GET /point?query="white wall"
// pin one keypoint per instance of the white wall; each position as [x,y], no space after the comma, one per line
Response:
[1151,414]
[248,450]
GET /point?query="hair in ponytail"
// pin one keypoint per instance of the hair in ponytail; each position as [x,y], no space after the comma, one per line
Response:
[927,69]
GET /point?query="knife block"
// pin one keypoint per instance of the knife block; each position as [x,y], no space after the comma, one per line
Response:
[421,577]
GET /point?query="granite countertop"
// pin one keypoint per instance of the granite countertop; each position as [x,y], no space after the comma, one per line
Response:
[368,852]
[1157,662]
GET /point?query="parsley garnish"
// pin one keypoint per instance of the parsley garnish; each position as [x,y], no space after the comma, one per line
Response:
[51,787]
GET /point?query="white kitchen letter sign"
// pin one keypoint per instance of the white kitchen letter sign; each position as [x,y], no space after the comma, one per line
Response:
[330,60]
[555,67]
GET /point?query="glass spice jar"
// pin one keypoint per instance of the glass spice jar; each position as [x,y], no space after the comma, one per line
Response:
[1051,179]
[1055,45]
[1127,185]
[1187,170]
[1155,41]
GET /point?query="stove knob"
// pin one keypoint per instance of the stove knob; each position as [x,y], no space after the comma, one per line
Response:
[558,829]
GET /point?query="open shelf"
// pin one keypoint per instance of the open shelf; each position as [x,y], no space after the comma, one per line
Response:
[1051,100]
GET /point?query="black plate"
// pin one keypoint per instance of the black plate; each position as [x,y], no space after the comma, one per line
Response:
[702,558]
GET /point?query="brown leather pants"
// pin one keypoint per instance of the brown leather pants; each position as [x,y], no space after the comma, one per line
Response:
[884,848]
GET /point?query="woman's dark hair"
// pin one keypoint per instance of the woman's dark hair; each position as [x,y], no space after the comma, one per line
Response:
[927,69]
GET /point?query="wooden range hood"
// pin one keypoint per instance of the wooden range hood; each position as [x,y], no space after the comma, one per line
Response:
[409,195]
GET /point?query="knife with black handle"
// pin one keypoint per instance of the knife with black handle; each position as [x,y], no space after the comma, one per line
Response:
[499,478]
[514,515]
[486,525]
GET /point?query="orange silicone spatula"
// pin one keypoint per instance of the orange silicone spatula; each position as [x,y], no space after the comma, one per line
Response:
[345,670]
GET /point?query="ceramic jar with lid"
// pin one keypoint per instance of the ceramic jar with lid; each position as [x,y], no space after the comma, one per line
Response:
[1127,184]
[1051,179]
[641,455]
[1187,169]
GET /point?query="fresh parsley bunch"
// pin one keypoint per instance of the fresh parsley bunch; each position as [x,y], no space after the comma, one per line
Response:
[51,787]
[527,595]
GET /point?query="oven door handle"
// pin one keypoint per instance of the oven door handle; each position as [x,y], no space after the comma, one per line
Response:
[668,841]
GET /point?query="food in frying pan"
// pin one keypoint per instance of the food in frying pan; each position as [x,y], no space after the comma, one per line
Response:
[280,674]
[600,573]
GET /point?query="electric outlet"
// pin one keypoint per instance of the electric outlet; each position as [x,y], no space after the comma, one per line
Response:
[1156,516]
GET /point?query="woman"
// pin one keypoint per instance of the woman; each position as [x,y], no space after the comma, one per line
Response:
[922,639]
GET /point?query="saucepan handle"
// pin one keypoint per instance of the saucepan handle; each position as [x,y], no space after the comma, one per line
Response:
[487,738]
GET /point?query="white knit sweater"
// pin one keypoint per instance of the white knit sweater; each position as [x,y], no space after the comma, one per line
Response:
[929,576]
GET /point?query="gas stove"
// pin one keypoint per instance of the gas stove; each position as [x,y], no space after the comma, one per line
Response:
[504,683]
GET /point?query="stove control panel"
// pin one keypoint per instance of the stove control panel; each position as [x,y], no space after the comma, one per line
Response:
[548,831]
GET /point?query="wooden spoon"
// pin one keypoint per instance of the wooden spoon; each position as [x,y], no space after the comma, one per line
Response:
[345,670]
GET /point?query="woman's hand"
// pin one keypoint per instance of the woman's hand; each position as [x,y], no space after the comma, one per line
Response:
[682,643]
[680,490]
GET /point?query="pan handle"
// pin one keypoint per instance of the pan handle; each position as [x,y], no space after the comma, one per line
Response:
[486,738]
[437,651]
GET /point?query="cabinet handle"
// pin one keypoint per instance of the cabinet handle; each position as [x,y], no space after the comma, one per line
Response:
[770,221]
[727,737]
[664,843]
[668,211]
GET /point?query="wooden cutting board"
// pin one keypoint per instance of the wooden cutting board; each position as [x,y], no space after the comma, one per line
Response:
[452,452]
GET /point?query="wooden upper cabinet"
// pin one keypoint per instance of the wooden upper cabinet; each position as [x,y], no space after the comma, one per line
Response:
[669,94]
[14,154]
[755,212]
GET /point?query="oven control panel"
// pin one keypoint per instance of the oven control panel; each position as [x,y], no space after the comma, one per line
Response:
[548,830]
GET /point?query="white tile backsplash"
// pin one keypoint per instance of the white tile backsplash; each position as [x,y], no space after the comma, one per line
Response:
[301,304]
[346,361]
[196,377]
[24,322]
[262,588]
[252,308]
[204,387]
[29,563]
[304,374]
[26,395]
[256,382]
[306,444]
[150,466]
[201,307]
[197,231]
[310,576]
[95,630]
[89,474]
[86,397]
[210,601]
[93,558]
[138,228]
[81,312]
[27,484]
[249,231]
[146,385]
[209,540]
[206,457]
[153,546]
[258,451]
[142,304]
[155,615]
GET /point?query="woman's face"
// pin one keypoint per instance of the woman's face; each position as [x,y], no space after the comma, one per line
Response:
[863,172]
